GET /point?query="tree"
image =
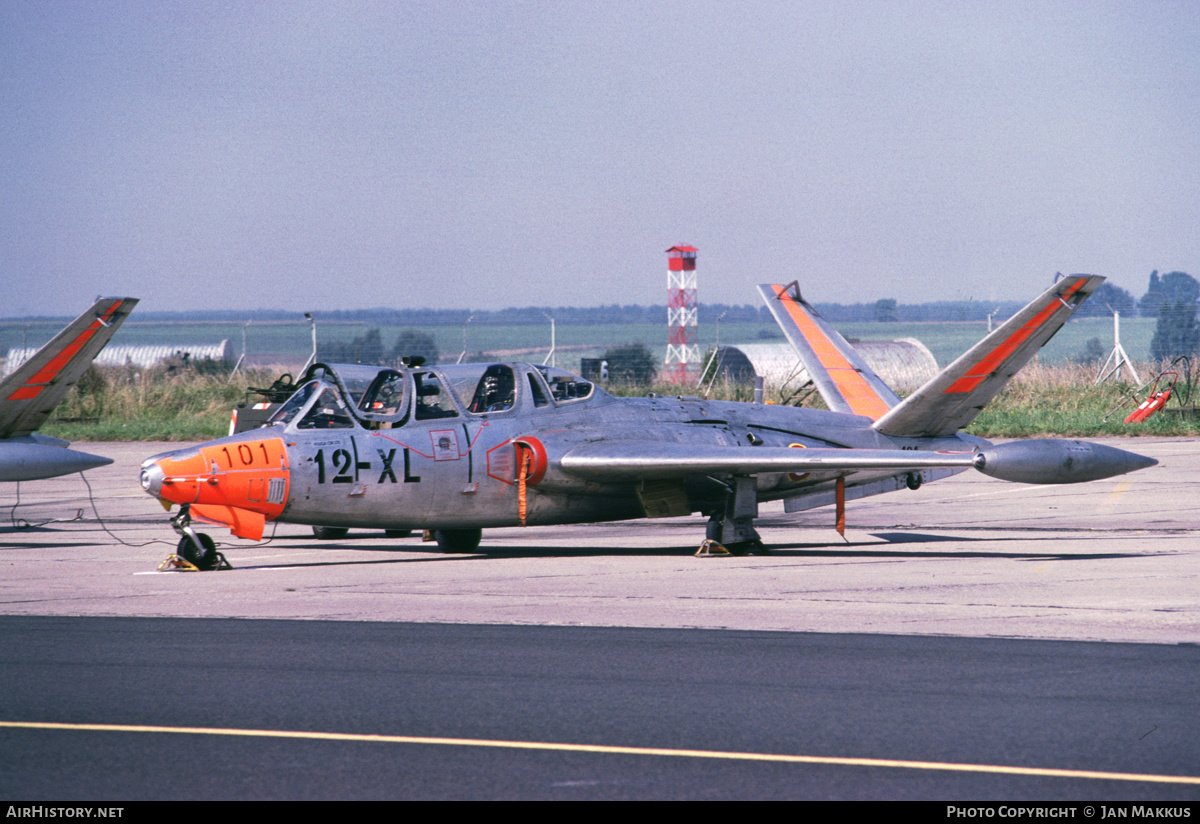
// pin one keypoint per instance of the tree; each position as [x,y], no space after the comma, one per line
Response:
[1106,299]
[1092,353]
[885,310]
[1176,332]
[411,343]
[630,363]
[366,349]
[1172,287]
[1150,301]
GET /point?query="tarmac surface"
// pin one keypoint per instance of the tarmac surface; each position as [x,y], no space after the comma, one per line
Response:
[1114,560]
[970,640]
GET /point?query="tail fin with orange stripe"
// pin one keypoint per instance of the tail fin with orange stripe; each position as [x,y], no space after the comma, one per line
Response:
[951,400]
[844,380]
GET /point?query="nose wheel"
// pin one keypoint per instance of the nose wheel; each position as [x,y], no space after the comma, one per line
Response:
[196,550]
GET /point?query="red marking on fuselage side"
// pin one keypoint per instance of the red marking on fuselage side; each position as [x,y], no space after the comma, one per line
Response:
[502,463]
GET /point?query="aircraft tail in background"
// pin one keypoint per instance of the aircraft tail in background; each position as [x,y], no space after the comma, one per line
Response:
[840,374]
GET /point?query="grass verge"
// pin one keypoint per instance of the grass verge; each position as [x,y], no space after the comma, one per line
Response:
[189,404]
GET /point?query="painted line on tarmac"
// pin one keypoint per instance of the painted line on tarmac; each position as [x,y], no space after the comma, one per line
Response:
[614,750]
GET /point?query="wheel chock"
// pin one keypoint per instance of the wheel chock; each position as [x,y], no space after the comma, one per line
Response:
[181,564]
[711,549]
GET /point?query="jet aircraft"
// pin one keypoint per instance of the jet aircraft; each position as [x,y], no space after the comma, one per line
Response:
[30,393]
[459,448]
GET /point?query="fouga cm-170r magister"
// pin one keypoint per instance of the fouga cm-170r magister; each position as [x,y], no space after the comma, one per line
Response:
[457,449]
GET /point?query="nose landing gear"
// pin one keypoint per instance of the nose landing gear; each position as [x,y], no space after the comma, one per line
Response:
[196,551]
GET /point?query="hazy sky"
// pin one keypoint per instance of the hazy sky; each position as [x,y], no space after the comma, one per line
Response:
[335,155]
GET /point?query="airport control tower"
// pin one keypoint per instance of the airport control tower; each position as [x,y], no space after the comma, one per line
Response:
[683,353]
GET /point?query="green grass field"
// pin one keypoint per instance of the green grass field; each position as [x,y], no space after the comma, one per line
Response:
[1052,395]
[127,404]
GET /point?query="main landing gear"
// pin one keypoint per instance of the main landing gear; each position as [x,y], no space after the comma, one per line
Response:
[731,531]
[336,533]
[457,540]
[196,550]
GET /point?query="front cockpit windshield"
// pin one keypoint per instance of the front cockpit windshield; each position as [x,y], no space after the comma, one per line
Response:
[316,405]
[354,378]
[328,411]
[295,404]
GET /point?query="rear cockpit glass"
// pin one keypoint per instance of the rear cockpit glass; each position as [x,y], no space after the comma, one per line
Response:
[483,387]
[536,392]
[433,401]
[566,387]
[495,391]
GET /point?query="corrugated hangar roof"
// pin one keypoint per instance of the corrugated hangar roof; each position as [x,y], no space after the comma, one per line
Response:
[904,364]
[143,357]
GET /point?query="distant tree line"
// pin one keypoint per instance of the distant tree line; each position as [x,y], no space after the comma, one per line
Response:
[1171,298]
[369,349]
[886,310]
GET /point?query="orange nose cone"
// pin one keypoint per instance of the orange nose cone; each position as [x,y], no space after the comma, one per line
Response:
[238,483]
[175,478]
[250,475]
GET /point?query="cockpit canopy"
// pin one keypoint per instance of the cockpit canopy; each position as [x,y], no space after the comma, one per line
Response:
[393,397]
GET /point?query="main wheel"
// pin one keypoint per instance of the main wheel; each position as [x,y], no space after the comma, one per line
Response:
[330,533]
[397,533]
[203,557]
[457,540]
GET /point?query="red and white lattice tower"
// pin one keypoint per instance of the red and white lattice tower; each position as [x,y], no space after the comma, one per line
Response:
[683,353]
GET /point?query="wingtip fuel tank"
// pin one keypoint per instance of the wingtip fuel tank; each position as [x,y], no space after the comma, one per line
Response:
[35,458]
[1057,461]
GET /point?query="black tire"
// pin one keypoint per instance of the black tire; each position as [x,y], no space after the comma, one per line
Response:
[458,540]
[397,533]
[330,533]
[203,557]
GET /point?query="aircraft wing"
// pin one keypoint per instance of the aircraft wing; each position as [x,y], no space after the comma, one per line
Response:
[29,394]
[1041,461]
[844,380]
[956,396]
[614,461]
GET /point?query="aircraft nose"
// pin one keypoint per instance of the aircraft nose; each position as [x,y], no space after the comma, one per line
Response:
[152,478]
